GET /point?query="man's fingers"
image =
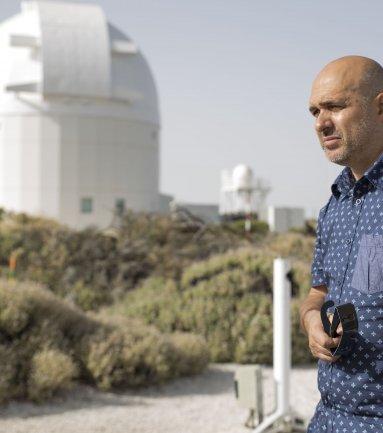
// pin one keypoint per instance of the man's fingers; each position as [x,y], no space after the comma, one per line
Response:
[324,357]
[339,329]
[325,341]
[319,342]
[333,342]
[324,354]
[320,350]
[327,358]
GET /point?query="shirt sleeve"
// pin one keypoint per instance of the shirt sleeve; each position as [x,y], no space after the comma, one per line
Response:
[318,277]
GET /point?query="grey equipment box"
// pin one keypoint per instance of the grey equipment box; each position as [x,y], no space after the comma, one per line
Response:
[248,391]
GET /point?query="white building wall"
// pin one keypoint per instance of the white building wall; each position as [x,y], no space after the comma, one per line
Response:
[10,160]
[30,165]
[48,164]
[30,162]
[69,164]
[20,151]
[281,219]
[106,160]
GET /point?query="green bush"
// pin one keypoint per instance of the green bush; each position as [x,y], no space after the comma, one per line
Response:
[88,298]
[115,360]
[227,299]
[246,261]
[255,346]
[293,245]
[15,311]
[51,371]
[8,377]
[94,268]
[257,227]
[46,343]
[191,353]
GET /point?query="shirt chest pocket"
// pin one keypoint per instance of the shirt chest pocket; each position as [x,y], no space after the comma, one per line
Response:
[368,270]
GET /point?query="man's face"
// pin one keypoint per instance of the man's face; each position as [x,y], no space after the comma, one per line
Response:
[345,121]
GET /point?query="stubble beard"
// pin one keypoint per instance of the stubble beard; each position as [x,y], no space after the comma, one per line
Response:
[351,147]
[346,151]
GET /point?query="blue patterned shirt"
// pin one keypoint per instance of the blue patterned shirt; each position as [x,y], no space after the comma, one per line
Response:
[348,259]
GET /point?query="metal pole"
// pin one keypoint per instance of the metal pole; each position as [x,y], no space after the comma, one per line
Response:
[282,334]
[283,419]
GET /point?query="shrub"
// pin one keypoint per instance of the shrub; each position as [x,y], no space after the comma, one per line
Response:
[255,346]
[51,371]
[93,268]
[292,245]
[191,353]
[117,360]
[8,376]
[54,343]
[15,310]
[257,227]
[88,298]
[246,260]
[227,300]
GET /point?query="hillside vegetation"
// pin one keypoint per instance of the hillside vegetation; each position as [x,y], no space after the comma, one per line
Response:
[46,345]
[154,299]
[228,300]
[93,268]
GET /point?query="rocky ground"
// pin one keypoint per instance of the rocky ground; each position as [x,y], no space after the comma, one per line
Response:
[203,404]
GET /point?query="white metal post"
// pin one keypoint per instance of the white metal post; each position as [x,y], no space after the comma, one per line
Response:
[283,419]
[282,333]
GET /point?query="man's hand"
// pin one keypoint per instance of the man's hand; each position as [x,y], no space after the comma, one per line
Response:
[339,329]
[319,341]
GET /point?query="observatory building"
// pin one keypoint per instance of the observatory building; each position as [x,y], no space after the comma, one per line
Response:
[241,194]
[79,120]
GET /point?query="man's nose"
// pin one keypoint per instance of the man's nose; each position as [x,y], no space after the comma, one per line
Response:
[323,122]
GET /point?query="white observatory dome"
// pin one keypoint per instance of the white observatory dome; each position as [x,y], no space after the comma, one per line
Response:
[242,177]
[59,49]
[79,116]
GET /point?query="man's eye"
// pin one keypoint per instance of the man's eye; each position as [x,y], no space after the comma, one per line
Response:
[315,113]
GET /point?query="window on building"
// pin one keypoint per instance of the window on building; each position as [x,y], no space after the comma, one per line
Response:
[120,206]
[86,205]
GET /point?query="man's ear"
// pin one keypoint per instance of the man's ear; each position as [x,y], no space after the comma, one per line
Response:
[379,104]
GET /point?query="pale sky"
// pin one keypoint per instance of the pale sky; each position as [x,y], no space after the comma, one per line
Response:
[234,78]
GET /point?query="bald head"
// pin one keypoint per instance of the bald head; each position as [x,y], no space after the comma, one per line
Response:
[353,74]
[347,102]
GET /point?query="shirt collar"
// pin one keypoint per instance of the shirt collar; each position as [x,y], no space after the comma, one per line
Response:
[346,181]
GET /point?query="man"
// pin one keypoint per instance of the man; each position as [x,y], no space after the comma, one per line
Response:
[347,103]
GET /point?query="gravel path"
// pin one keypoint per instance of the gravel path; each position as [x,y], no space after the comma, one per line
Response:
[203,404]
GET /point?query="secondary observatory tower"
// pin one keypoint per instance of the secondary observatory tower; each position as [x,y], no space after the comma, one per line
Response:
[241,193]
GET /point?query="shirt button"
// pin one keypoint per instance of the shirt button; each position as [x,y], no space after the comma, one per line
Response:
[358,201]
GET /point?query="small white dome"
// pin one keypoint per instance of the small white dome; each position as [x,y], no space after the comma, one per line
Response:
[242,177]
